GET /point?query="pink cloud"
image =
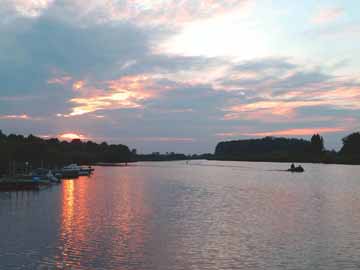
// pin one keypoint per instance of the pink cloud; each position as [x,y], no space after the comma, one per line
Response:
[15,116]
[296,132]
[327,15]
[285,132]
[226,134]
[59,80]
[268,110]
[285,106]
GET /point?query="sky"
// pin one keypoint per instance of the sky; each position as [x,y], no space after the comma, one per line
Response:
[165,75]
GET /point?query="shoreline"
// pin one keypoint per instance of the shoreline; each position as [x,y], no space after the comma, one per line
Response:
[116,164]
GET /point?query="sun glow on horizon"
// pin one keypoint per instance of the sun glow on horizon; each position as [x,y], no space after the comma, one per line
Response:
[72,136]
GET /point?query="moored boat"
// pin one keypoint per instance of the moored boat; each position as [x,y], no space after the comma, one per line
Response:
[74,171]
[45,175]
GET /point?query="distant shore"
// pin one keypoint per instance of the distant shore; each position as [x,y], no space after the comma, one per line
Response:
[20,153]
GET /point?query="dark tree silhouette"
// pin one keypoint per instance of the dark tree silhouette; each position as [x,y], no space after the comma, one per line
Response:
[266,149]
[351,148]
[52,152]
[317,144]
[284,149]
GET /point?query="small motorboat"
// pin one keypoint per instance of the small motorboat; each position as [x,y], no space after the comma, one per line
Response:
[297,169]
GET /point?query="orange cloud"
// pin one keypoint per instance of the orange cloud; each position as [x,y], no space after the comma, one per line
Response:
[118,100]
[125,93]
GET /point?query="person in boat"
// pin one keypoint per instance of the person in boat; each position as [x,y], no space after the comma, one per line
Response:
[293,168]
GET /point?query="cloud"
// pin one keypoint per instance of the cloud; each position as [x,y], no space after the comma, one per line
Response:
[70,50]
[264,65]
[327,15]
[287,105]
[12,9]
[286,132]
[60,80]
[116,100]
[78,85]
[142,12]
[14,117]
[124,93]
[297,132]
[97,66]
[274,90]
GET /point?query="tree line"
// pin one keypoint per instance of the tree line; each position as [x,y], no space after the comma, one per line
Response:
[171,156]
[37,152]
[290,150]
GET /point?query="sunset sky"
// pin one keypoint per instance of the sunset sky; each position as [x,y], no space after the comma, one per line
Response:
[164,75]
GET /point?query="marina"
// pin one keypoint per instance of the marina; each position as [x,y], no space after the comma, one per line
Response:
[41,177]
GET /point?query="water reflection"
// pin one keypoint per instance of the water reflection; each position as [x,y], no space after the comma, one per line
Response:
[102,222]
[72,231]
[219,215]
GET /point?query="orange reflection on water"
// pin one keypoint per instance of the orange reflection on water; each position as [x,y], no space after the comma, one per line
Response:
[68,204]
[103,218]
[73,233]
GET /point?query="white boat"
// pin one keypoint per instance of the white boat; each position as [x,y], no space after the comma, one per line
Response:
[76,170]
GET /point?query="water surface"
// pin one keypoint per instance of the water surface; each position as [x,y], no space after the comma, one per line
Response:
[173,215]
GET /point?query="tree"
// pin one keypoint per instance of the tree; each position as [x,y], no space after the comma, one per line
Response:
[2,135]
[52,152]
[317,144]
[265,149]
[351,145]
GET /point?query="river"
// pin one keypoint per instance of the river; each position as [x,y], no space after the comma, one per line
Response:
[201,215]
